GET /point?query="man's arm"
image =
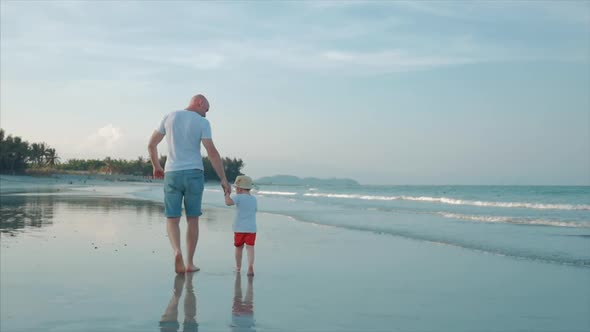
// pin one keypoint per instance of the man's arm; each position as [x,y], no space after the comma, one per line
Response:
[217,163]
[153,150]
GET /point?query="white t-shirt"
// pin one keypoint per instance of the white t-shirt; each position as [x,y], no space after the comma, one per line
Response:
[184,131]
[245,221]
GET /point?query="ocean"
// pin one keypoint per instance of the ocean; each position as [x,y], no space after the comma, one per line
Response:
[541,223]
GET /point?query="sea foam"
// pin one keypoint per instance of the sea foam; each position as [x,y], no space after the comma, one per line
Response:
[454,201]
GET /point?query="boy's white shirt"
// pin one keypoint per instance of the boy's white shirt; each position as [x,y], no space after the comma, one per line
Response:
[245,219]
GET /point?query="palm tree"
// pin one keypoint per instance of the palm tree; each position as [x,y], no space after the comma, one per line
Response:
[42,153]
[38,152]
[51,157]
[34,153]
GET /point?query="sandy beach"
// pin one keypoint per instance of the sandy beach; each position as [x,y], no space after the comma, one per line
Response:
[82,260]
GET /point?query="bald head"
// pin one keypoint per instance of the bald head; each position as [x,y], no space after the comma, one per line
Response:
[199,104]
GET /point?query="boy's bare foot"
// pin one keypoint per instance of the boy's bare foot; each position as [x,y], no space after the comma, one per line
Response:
[238,269]
[178,263]
[192,268]
[250,271]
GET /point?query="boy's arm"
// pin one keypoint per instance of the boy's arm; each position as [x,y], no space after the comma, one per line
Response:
[228,200]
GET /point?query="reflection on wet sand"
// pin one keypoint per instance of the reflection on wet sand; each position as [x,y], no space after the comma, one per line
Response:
[21,211]
[243,308]
[109,204]
[169,320]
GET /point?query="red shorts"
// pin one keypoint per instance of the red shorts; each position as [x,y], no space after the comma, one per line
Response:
[247,238]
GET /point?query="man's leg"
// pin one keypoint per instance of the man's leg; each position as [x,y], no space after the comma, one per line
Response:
[192,237]
[173,230]
[193,196]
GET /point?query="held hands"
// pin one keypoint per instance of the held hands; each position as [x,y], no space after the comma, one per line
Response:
[158,172]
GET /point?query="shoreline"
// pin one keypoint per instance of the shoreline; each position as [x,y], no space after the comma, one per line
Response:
[104,186]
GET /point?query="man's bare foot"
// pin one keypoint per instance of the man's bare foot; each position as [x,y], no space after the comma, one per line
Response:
[238,269]
[250,271]
[192,268]
[178,263]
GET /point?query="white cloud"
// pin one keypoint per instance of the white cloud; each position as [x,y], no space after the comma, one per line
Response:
[105,137]
[107,141]
[393,60]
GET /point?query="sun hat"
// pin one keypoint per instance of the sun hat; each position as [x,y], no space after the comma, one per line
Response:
[243,182]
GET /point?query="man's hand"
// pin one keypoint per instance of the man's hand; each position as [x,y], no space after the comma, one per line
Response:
[158,172]
[226,187]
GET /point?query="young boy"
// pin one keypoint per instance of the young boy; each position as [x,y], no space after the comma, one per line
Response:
[244,222]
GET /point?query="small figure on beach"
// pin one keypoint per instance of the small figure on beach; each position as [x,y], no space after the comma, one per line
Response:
[185,130]
[244,226]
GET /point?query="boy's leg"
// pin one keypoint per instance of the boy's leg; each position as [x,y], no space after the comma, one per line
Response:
[192,237]
[174,236]
[250,251]
[239,251]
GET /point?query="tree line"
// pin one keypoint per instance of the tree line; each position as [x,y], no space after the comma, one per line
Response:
[17,156]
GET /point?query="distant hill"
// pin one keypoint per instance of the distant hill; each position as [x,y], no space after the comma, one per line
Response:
[291,180]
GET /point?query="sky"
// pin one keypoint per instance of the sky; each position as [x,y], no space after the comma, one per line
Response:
[384,92]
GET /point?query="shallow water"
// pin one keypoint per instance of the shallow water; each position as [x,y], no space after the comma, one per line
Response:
[540,223]
[85,263]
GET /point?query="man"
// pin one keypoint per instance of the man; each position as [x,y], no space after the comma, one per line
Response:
[185,130]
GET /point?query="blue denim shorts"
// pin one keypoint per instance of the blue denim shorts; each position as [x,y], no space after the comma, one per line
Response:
[187,184]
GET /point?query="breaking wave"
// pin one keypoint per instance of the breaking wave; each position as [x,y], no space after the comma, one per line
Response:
[454,201]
